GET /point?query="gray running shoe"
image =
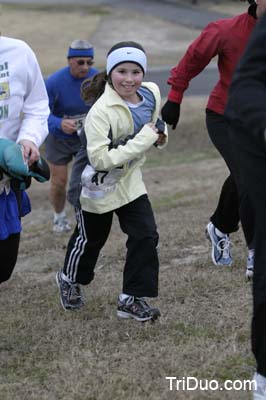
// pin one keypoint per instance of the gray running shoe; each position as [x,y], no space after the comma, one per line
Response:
[70,294]
[136,308]
[259,389]
[220,246]
[61,225]
[250,266]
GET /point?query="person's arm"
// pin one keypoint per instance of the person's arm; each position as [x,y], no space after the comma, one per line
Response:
[247,95]
[104,158]
[35,109]
[196,58]
[57,124]
[54,122]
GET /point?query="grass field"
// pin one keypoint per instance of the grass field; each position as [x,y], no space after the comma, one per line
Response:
[204,332]
[49,354]
[49,30]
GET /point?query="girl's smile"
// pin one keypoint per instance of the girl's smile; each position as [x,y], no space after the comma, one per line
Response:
[126,80]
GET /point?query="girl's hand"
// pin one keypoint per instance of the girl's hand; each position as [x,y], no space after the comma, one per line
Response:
[161,136]
[152,126]
[68,126]
[161,139]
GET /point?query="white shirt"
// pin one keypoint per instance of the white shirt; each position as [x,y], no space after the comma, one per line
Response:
[23,98]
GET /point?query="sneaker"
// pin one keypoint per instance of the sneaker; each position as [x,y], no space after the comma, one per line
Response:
[220,246]
[259,387]
[137,308]
[250,265]
[70,294]
[61,225]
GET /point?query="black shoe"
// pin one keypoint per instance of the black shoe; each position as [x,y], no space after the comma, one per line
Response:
[137,308]
[70,294]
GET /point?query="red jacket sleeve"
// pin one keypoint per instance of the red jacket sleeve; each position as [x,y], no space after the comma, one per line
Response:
[196,58]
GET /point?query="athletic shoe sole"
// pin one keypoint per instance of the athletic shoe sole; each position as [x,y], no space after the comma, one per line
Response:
[58,229]
[125,315]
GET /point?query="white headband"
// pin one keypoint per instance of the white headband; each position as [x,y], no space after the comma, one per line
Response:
[126,54]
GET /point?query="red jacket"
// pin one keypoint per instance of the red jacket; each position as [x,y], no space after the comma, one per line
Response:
[225,38]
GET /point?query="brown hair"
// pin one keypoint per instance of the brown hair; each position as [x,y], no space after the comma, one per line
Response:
[93,88]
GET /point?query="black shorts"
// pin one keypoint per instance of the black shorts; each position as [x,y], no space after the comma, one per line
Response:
[60,151]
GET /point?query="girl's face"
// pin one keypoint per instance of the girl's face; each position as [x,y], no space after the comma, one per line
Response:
[126,79]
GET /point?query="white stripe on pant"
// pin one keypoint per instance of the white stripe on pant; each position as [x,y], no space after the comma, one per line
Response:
[78,249]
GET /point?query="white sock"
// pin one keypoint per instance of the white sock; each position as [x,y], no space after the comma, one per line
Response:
[65,278]
[60,215]
[251,253]
[124,296]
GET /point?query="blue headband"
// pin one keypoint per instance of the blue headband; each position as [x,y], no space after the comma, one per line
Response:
[80,52]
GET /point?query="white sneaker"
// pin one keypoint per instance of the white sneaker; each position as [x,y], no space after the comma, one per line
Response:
[250,265]
[259,387]
[221,245]
[61,225]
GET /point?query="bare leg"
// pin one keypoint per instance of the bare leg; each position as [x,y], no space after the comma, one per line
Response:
[58,187]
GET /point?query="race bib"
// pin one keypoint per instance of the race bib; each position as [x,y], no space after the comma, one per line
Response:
[96,184]
[79,121]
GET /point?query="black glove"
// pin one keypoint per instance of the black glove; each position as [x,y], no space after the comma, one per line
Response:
[170,113]
[40,170]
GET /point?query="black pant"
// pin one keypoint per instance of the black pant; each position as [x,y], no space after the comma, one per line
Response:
[250,154]
[141,268]
[233,204]
[8,256]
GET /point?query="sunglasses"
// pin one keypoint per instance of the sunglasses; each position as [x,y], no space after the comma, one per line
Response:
[82,62]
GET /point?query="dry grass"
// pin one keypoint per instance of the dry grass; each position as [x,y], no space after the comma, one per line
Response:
[49,354]
[49,30]
[204,331]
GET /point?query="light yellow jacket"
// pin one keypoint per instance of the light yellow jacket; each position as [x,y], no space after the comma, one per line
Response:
[120,179]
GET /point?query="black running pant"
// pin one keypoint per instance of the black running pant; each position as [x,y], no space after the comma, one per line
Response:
[234,203]
[250,154]
[136,219]
[8,256]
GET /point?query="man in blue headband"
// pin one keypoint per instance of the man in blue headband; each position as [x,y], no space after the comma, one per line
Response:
[67,112]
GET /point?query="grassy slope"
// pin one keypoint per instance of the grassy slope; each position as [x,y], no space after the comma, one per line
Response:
[48,354]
